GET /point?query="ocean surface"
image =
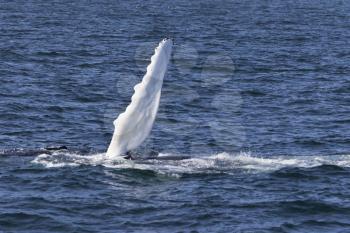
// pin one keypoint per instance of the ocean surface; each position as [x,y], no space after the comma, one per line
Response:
[256,93]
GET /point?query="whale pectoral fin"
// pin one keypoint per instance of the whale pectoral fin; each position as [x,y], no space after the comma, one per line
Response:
[134,125]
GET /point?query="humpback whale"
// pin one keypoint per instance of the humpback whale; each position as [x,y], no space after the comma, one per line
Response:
[134,125]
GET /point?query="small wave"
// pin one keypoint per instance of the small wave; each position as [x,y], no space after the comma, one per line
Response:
[51,54]
[254,93]
[217,163]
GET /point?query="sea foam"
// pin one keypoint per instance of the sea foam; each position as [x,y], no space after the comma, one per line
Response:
[216,163]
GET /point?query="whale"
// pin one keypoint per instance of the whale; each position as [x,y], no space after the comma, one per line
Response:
[134,125]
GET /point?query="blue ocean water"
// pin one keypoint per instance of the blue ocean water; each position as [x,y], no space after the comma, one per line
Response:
[257,93]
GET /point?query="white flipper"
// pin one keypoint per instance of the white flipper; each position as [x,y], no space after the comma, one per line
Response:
[134,125]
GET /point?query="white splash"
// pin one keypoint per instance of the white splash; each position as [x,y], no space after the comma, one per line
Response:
[134,125]
[217,163]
